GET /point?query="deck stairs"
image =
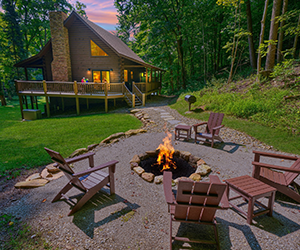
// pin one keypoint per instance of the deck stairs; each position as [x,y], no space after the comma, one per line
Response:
[128,100]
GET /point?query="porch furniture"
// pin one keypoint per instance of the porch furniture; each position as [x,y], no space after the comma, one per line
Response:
[183,131]
[212,129]
[284,181]
[251,189]
[88,181]
[195,202]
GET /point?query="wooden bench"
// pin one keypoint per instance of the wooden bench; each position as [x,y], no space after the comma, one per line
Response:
[251,189]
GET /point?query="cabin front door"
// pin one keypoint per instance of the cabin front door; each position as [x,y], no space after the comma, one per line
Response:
[101,76]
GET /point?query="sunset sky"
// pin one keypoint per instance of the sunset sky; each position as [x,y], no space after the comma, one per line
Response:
[101,12]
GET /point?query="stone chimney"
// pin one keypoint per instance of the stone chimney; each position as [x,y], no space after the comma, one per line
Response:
[61,64]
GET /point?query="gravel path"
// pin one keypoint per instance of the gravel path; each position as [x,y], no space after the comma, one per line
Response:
[137,218]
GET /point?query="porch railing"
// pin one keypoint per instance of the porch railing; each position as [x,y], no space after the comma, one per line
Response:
[147,87]
[138,93]
[49,87]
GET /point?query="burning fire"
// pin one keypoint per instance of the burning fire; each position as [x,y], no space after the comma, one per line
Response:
[165,155]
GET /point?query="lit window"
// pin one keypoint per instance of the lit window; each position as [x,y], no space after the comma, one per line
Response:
[125,75]
[131,73]
[96,50]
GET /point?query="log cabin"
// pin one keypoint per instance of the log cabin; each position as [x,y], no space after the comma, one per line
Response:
[83,63]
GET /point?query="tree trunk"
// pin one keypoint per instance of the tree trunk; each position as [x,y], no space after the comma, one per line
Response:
[261,37]
[250,37]
[204,57]
[296,40]
[270,61]
[281,33]
[234,48]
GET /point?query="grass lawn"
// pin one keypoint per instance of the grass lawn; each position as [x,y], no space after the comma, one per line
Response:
[279,139]
[22,143]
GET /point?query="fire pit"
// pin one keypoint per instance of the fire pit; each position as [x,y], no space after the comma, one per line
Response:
[182,164]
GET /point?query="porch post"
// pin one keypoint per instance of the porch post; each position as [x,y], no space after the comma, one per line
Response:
[26,103]
[31,101]
[133,100]
[146,75]
[76,98]
[47,106]
[45,87]
[106,101]
[144,99]
[21,106]
[36,103]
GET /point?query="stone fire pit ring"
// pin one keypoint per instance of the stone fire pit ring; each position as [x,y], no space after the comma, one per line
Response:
[201,168]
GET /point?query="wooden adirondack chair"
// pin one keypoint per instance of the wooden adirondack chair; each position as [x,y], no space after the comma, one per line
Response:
[212,129]
[283,182]
[88,181]
[195,202]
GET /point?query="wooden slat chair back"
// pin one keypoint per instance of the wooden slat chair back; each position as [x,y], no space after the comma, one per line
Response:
[282,178]
[212,129]
[290,176]
[64,166]
[195,202]
[89,181]
[214,120]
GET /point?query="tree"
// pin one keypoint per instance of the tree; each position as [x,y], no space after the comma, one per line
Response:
[270,61]
[281,32]
[250,36]
[261,37]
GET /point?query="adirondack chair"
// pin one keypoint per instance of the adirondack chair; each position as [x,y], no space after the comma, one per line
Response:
[88,181]
[195,202]
[282,181]
[212,129]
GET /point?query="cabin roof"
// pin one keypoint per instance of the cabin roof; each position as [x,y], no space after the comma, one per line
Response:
[115,43]
[37,60]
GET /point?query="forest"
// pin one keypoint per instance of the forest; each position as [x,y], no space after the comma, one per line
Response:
[193,40]
[198,40]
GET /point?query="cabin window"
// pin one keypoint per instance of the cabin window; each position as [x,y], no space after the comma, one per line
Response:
[131,75]
[101,76]
[125,75]
[96,50]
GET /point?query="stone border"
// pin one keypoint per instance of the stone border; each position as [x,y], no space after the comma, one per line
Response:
[202,168]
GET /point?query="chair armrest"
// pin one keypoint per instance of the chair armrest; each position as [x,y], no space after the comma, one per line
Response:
[91,170]
[264,165]
[79,158]
[259,153]
[167,182]
[224,203]
[218,127]
[199,124]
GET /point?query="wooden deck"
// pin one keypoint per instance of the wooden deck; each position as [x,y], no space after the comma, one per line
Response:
[92,90]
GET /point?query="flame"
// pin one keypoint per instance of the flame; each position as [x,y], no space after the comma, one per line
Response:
[166,151]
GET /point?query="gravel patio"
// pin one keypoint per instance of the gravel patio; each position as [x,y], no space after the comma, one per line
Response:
[136,217]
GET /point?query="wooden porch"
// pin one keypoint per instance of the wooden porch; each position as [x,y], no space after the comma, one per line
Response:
[86,91]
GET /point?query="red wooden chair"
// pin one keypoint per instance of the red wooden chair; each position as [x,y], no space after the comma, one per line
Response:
[282,181]
[195,202]
[212,129]
[88,181]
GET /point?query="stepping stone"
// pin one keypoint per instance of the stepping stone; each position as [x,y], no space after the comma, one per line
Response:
[31,184]
[174,121]
[169,118]
[165,113]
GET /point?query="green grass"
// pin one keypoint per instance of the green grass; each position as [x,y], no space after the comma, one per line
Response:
[282,140]
[22,143]
[17,235]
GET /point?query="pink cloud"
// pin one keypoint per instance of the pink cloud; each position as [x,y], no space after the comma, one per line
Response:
[102,17]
